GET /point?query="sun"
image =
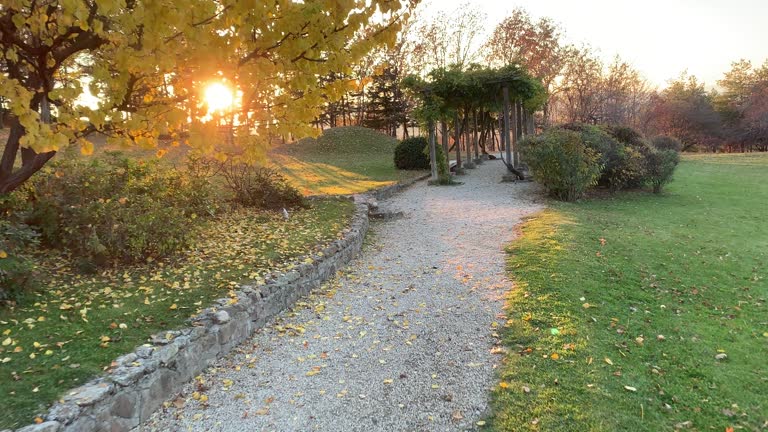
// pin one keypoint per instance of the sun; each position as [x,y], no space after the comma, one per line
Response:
[218,97]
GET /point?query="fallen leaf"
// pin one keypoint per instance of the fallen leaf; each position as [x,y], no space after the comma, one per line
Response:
[630,388]
[457,416]
[609,361]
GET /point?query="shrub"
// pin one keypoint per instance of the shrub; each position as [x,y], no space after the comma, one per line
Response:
[562,162]
[667,143]
[626,135]
[623,164]
[16,271]
[117,210]
[409,154]
[260,187]
[660,165]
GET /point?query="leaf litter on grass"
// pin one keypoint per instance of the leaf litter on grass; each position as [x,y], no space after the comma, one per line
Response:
[76,324]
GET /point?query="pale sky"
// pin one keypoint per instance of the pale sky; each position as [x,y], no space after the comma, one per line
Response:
[660,38]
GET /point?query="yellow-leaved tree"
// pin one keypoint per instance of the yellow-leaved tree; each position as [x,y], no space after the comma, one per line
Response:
[147,64]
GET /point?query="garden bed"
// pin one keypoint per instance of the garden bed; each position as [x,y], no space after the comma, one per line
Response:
[73,326]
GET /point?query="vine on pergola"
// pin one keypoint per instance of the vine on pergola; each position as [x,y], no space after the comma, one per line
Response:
[452,95]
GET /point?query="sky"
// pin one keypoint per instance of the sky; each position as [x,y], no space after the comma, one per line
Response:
[660,38]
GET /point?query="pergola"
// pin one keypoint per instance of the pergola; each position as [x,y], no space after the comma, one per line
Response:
[460,95]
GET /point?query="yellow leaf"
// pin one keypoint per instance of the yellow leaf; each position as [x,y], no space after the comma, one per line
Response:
[3,254]
[387,381]
[173,307]
[7,341]
[609,361]
[554,356]
[504,384]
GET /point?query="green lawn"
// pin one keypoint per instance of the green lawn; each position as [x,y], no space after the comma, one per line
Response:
[342,161]
[623,304]
[75,325]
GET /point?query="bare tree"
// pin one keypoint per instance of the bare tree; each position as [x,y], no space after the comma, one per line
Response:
[448,38]
[536,45]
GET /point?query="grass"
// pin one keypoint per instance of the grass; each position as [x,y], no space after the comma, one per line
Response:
[342,161]
[74,325]
[621,306]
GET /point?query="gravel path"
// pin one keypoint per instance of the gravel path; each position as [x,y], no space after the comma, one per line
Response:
[401,341]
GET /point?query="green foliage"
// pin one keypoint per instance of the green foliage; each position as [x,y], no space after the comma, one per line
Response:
[410,154]
[117,210]
[561,161]
[667,143]
[260,187]
[660,166]
[16,270]
[622,154]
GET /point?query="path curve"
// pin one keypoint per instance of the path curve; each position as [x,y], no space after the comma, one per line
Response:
[401,341]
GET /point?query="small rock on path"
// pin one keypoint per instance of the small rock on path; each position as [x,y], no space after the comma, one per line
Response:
[400,341]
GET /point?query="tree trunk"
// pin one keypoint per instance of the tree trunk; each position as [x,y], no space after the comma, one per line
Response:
[31,162]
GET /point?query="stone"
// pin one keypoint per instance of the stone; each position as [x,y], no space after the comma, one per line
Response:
[64,413]
[144,351]
[83,424]
[126,359]
[159,387]
[126,376]
[89,394]
[124,405]
[49,426]
[166,354]
[164,338]
[221,317]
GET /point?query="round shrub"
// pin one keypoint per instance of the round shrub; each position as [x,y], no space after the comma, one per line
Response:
[660,165]
[561,162]
[626,135]
[667,143]
[410,155]
[622,161]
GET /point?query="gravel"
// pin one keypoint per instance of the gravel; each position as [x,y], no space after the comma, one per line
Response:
[401,340]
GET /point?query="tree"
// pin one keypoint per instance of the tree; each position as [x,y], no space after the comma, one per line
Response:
[536,45]
[685,110]
[580,97]
[449,39]
[148,63]
[386,106]
[743,104]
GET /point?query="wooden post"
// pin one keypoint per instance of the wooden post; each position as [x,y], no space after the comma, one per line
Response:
[519,134]
[457,138]
[432,149]
[505,132]
[474,136]
[444,136]
[467,141]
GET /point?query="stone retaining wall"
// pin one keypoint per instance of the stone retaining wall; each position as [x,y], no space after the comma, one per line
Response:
[138,383]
